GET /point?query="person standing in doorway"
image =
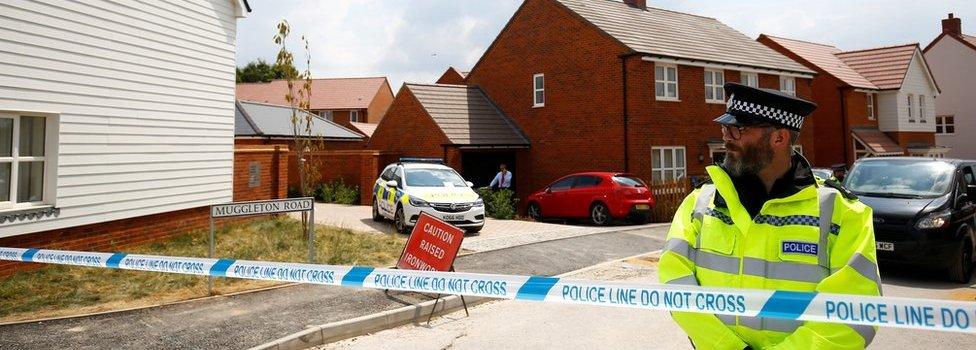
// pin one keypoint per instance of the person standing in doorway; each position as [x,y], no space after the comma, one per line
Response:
[502,180]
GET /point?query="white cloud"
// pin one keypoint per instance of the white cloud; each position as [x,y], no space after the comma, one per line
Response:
[417,40]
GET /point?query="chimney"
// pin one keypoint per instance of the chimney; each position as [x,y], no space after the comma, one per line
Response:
[952,26]
[641,4]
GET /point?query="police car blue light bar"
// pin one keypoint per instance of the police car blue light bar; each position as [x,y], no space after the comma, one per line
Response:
[925,314]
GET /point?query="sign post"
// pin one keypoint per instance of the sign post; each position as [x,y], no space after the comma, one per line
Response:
[274,206]
[433,245]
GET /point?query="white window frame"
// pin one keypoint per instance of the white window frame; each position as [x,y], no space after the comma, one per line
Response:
[871,98]
[921,109]
[716,87]
[942,123]
[662,94]
[353,115]
[536,89]
[657,175]
[749,79]
[911,108]
[787,85]
[327,114]
[49,177]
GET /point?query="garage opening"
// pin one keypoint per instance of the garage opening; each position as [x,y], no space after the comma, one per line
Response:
[480,166]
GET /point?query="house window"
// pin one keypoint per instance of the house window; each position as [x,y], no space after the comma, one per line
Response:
[871,115]
[921,108]
[667,163]
[787,85]
[538,90]
[911,110]
[353,116]
[326,114]
[714,86]
[750,79]
[945,124]
[666,82]
[23,161]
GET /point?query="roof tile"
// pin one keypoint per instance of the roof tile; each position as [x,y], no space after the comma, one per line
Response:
[824,57]
[466,115]
[885,67]
[328,93]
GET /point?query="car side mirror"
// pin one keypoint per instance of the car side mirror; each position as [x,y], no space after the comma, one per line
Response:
[469,183]
[391,183]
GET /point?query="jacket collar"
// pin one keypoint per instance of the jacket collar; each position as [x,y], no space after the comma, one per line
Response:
[788,188]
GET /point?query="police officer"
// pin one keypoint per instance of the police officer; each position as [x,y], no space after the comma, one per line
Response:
[765,223]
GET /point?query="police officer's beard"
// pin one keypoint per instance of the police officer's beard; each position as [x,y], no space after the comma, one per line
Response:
[750,158]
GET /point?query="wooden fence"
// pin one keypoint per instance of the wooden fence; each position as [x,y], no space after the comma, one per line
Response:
[668,196]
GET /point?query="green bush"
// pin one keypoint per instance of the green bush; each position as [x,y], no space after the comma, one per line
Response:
[338,192]
[499,204]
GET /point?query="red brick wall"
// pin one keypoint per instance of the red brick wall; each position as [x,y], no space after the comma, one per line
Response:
[407,129]
[355,168]
[272,161]
[906,138]
[580,128]
[451,77]
[379,105]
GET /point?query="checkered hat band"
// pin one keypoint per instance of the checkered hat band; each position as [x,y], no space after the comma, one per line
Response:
[775,114]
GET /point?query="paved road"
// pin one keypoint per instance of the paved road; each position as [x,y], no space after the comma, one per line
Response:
[533,325]
[251,319]
[497,234]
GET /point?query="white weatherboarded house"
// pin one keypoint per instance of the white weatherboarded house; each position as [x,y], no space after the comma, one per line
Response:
[114,109]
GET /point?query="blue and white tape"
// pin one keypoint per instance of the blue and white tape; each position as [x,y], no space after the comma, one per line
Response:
[926,314]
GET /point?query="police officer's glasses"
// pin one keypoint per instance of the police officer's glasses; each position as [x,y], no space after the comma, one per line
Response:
[735,131]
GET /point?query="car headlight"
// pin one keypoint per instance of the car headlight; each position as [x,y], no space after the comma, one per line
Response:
[417,202]
[479,203]
[935,220]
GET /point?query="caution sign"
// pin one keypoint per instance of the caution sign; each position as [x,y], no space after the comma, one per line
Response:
[432,245]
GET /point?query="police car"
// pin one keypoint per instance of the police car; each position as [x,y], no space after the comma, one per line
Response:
[415,185]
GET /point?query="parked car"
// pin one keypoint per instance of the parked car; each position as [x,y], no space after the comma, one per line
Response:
[923,210]
[597,196]
[414,185]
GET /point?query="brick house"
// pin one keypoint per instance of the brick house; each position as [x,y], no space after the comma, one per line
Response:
[874,102]
[618,86]
[452,76]
[342,100]
[116,124]
[952,58]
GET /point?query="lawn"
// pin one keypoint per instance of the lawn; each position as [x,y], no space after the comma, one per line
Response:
[58,290]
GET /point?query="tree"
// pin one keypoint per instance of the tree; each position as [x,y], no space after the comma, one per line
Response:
[259,71]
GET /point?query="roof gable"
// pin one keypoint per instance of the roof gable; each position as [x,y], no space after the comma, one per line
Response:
[466,116]
[885,67]
[825,58]
[679,35]
[327,93]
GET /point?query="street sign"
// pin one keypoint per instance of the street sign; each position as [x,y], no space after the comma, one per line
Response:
[261,207]
[432,245]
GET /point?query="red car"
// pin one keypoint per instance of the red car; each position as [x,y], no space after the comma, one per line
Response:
[598,196]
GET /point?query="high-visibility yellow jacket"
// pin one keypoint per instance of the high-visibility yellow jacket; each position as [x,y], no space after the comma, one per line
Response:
[813,240]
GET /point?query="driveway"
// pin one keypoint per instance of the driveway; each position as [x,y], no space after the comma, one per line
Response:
[497,234]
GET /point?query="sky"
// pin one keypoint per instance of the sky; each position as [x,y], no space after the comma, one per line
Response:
[416,40]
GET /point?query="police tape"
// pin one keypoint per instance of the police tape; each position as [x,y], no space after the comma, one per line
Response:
[926,314]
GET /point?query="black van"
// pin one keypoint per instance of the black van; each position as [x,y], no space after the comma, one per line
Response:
[923,210]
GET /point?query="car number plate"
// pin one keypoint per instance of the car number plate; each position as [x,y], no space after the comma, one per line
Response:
[886,246]
[453,217]
[643,206]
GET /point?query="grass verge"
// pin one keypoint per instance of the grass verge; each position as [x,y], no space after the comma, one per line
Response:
[58,290]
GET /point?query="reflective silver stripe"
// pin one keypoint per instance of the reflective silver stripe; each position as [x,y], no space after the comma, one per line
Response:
[689,280]
[789,271]
[701,203]
[770,324]
[866,268]
[728,320]
[866,332]
[680,247]
[712,261]
[826,197]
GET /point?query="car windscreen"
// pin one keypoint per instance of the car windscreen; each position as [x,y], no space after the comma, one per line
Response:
[433,178]
[902,178]
[628,181]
